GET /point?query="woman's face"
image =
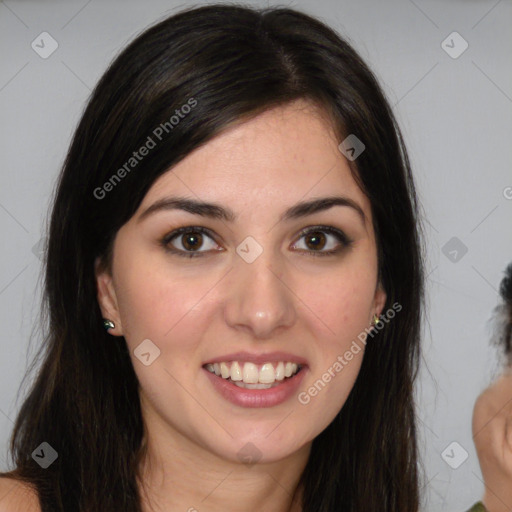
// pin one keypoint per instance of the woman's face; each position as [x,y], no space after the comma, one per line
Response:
[256,291]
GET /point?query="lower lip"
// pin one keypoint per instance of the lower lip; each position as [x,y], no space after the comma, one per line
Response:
[257,397]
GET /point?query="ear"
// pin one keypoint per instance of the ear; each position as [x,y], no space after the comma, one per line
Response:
[107,299]
[379,300]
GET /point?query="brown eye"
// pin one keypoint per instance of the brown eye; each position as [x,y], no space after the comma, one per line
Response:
[318,239]
[188,240]
[192,240]
[315,240]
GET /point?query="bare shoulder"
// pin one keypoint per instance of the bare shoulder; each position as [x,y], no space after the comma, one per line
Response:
[16,496]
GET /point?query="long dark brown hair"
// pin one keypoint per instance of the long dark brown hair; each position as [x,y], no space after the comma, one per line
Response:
[234,62]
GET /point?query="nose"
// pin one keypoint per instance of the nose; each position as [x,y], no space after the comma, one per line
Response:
[258,300]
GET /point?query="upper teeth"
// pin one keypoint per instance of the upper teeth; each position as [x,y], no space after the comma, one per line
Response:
[251,373]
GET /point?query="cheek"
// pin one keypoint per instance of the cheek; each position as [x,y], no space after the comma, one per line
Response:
[156,305]
[343,314]
[342,304]
[165,311]
[327,390]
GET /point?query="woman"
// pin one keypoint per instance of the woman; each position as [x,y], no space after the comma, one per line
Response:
[237,209]
[492,416]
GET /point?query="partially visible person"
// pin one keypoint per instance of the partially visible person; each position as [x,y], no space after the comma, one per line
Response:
[492,416]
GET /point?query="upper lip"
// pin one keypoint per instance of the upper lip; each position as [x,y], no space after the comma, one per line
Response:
[267,357]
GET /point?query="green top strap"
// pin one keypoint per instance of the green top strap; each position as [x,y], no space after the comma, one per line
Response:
[478,507]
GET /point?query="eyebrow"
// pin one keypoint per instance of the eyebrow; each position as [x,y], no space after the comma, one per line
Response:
[215,211]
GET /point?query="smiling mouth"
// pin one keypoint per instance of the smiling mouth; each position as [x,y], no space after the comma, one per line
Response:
[252,376]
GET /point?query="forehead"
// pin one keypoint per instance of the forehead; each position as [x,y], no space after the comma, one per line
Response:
[281,156]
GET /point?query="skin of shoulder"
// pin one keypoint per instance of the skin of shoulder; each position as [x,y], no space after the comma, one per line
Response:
[16,496]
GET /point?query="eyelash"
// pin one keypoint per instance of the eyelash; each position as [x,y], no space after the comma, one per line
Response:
[345,241]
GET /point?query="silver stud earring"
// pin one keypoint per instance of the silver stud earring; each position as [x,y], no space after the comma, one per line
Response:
[108,324]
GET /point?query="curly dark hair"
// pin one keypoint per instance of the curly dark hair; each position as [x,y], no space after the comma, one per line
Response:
[503,316]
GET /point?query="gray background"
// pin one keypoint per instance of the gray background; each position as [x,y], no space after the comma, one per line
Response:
[456,114]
